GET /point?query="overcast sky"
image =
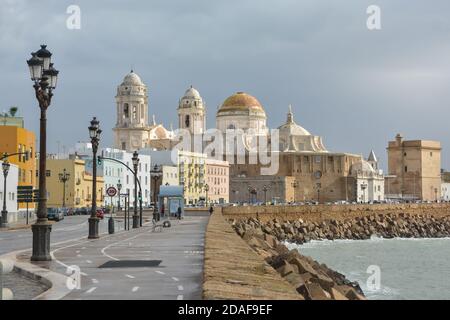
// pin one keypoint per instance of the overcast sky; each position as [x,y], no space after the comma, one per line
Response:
[356,88]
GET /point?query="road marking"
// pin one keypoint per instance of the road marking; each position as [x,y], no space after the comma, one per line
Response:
[89,261]
[135,289]
[129,276]
[160,272]
[95,281]
[52,254]
[180,297]
[180,288]
[103,251]
[91,290]
[174,279]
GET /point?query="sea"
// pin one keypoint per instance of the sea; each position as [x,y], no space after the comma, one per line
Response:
[388,269]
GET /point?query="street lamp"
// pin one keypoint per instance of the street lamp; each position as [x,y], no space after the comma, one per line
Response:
[363,188]
[64,177]
[119,187]
[206,189]
[94,134]
[265,188]
[135,160]
[44,76]
[5,167]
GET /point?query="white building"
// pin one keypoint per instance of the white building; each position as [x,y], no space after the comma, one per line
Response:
[445,186]
[170,175]
[12,181]
[369,180]
[113,172]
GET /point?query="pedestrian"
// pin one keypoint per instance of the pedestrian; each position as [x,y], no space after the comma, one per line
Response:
[211,210]
[179,213]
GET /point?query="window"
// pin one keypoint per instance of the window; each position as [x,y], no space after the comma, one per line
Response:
[124,145]
[126,110]
[317,159]
[48,173]
[431,154]
[406,168]
[187,121]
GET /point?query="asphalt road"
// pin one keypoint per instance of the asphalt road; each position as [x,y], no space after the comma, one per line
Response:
[135,264]
[72,227]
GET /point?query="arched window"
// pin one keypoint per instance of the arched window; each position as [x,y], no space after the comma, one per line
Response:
[187,121]
[126,110]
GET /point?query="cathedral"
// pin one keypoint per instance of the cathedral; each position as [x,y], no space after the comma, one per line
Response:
[306,171]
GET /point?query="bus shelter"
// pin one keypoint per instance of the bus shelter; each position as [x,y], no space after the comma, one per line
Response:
[170,198]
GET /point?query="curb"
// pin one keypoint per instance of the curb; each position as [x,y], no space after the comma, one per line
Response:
[55,282]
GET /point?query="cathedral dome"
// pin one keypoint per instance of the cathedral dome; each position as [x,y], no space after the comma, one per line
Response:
[362,167]
[132,79]
[292,128]
[241,101]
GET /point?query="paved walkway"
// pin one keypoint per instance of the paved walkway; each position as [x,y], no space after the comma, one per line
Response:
[172,258]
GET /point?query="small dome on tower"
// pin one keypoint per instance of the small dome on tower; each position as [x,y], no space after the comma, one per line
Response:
[132,79]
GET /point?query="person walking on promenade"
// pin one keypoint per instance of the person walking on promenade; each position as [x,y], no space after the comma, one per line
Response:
[179,213]
[211,210]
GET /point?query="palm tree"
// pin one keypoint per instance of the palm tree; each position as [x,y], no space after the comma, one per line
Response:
[13,111]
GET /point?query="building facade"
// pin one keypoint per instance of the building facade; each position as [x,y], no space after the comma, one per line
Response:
[15,139]
[78,188]
[445,186]
[12,180]
[217,173]
[414,168]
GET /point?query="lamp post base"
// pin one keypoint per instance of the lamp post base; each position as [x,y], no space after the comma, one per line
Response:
[135,221]
[93,228]
[41,241]
[4,220]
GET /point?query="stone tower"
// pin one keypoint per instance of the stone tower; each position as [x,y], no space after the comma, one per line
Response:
[191,112]
[131,131]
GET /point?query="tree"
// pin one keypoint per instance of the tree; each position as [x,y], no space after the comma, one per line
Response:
[13,111]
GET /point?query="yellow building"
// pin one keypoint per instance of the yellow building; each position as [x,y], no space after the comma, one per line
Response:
[191,167]
[78,191]
[15,139]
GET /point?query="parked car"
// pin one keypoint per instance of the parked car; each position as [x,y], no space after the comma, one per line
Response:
[67,211]
[100,213]
[56,214]
[82,211]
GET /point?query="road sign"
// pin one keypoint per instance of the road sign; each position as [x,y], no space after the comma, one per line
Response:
[111,191]
[24,194]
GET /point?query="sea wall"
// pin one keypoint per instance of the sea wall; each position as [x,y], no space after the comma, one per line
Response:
[319,213]
[257,266]
[232,270]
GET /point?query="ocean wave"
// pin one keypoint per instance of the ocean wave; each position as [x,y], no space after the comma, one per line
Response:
[373,239]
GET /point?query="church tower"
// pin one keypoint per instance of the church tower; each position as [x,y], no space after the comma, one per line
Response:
[191,112]
[131,131]
[372,159]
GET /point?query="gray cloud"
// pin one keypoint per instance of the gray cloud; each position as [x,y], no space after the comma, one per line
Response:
[354,87]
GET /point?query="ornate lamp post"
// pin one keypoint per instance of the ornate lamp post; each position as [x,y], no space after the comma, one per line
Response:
[206,189]
[119,187]
[265,188]
[94,134]
[135,160]
[363,188]
[64,177]
[44,77]
[4,217]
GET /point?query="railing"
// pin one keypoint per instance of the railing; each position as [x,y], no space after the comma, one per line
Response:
[6,266]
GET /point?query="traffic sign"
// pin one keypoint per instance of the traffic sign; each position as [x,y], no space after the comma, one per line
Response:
[111,191]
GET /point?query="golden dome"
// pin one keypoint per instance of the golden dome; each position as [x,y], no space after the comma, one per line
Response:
[241,101]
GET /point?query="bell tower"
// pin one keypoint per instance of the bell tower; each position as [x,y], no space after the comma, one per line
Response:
[191,112]
[131,131]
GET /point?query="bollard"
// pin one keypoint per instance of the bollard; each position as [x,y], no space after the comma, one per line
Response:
[111,225]
[6,266]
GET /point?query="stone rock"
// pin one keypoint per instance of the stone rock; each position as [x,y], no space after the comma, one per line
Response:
[336,295]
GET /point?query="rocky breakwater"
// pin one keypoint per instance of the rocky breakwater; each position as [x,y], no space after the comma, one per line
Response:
[395,225]
[312,280]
